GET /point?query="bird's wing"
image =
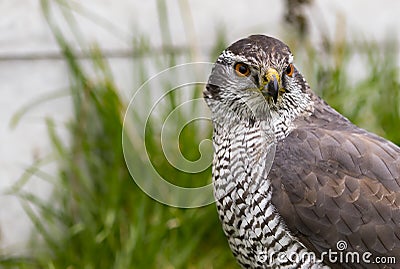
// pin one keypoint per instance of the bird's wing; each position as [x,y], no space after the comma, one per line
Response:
[332,185]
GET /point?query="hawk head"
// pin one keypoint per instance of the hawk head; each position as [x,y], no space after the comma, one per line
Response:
[255,79]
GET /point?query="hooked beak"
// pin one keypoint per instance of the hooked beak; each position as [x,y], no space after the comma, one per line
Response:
[270,86]
[273,88]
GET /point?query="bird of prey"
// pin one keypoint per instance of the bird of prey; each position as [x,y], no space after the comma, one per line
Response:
[293,177]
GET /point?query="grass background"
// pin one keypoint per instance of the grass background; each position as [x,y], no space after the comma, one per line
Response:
[98,218]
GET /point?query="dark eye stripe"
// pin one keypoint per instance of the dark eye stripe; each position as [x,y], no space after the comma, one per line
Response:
[256,80]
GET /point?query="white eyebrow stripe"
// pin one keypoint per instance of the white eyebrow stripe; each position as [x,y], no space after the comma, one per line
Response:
[290,58]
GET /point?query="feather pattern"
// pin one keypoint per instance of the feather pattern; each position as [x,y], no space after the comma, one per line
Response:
[339,182]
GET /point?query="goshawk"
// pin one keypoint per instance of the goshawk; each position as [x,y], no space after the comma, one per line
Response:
[292,177]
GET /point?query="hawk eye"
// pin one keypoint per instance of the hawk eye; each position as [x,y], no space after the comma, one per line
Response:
[289,70]
[242,69]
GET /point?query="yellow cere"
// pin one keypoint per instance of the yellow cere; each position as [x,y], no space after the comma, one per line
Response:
[270,73]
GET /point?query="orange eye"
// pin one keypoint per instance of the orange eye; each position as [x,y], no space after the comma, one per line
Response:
[242,69]
[289,70]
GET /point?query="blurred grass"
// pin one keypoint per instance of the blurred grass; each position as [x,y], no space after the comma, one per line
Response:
[98,218]
[361,80]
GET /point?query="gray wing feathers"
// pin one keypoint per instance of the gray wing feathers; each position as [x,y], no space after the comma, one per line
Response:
[332,185]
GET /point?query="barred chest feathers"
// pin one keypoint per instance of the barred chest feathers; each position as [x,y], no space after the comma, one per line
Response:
[256,233]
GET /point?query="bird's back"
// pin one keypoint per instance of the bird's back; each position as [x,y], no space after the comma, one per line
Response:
[334,182]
